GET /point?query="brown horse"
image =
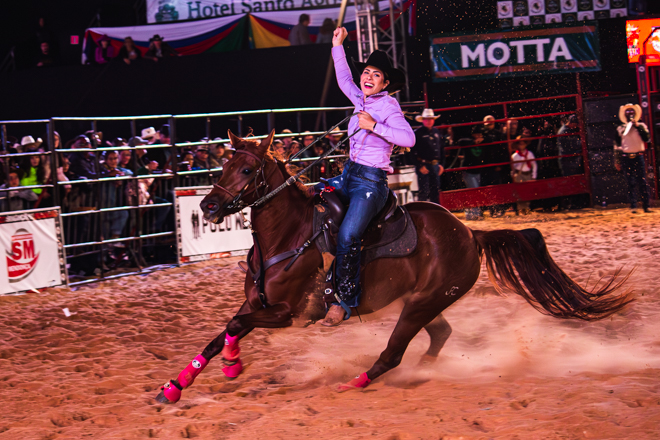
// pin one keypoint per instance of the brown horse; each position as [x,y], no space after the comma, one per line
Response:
[443,268]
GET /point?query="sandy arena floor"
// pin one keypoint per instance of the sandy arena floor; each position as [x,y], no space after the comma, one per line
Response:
[506,372]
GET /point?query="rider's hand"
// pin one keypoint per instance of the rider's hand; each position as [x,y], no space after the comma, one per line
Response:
[423,170]
[338,36]
[441,170]
[366,122]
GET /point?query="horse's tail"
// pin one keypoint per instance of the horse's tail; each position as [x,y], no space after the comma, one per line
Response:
[546,287]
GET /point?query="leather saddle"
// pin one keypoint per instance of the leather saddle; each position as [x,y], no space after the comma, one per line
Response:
[391,233]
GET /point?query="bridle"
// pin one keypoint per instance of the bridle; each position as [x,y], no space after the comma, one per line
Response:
[237,203]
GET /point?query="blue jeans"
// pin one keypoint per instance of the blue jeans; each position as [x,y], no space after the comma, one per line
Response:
[472,181]
[429,183]
[636,177]
[364,189]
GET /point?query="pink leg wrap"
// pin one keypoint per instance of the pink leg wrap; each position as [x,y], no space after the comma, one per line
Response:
[360,381]
[231,350]
[188,375]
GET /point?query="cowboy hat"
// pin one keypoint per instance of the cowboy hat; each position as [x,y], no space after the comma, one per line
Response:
[156,38]
[624,108]
[28,142]
[336,132]
[148,133]
[427,113]
[381,61]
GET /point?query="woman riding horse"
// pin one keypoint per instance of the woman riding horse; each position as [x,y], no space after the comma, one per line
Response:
[363,183]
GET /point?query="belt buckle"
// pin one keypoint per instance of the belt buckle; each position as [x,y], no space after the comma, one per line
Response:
[632,155]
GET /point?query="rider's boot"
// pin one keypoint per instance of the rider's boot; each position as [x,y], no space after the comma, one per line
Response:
[347,279]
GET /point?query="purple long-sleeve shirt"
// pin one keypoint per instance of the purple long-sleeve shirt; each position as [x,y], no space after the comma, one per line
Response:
[372,148]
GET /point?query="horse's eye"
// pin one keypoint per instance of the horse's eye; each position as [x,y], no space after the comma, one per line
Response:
[247,171]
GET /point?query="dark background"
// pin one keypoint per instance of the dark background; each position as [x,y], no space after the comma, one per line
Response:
[250,79]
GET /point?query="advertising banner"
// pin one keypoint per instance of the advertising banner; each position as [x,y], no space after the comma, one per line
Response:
[640,31]
[512,13]
[546,50]
[34,252]
[200,240]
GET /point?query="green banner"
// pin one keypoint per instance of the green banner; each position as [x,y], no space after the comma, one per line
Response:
[526,51]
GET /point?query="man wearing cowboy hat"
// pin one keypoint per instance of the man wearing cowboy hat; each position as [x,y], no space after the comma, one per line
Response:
[429,153]
[28,144]
[159,49]
[629,146]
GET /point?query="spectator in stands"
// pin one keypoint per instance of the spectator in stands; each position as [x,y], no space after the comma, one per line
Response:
[29,145]
[16,200]
[473,156]
[162,155]
[31,173]
[125,159]
[129,52]
[279,149]
[104,52]
[325,33]
[524,168]
[490,131]
[203,161]
[299,34]
[112,195]
[45,58]
[141,158]
[570,145]
[288,140]
[429,153]
[497,154]
[146,189]
[42,33]
[159,49]
[150,135]
[62,171]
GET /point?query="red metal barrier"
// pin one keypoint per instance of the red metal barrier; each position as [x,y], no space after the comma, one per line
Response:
[513,192]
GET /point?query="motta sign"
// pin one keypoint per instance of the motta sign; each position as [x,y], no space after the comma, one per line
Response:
[34,251]
[518,52]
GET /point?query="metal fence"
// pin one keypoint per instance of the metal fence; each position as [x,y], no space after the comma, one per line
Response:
[119,224]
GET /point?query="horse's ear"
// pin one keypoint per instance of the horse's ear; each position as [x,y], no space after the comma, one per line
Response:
[235,140]
[265,142]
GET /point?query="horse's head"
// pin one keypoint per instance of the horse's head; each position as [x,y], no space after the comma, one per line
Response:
[243,179]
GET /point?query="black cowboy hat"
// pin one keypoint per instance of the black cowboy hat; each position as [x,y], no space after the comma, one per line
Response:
[380,60]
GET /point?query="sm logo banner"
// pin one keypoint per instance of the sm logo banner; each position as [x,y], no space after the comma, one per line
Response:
[545,50]
[21,260]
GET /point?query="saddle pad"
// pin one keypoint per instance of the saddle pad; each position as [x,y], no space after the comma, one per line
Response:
[398,238]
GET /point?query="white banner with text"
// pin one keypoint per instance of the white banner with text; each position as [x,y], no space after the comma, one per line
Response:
[34,252]
[198,239]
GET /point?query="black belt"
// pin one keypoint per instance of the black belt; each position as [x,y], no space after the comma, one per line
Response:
[631,155]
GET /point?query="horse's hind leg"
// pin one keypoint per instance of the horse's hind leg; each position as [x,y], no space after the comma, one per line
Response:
[439,330]
[419,311]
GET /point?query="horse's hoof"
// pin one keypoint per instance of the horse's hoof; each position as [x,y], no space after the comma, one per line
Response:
[427,360]
[170,393]
[358,382]
[160,398]
[233,369]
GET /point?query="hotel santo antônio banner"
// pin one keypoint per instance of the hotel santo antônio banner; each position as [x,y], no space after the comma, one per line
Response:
[524,51]
[33,250]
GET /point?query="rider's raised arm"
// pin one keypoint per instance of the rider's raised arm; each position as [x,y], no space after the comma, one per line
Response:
[344,76]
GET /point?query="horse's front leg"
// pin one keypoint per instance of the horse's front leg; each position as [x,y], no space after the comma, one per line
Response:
[226,343]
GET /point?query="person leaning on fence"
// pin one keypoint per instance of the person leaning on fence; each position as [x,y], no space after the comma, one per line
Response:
[129,53]
[629,146]
[31,173]
[524,168]
[429,155]
[299,34]
[473,155]
[104,52]
[17,200]
[159,49]
[112,195]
